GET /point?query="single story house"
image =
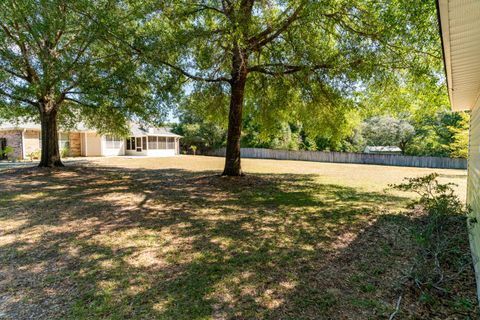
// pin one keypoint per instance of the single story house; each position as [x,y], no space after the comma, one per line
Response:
[460,34]
[25,139]
[382,150]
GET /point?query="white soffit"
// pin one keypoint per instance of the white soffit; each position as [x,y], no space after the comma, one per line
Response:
[460,27]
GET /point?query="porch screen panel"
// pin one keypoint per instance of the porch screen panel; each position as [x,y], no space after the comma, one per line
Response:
[162,143]
[171,143]
[152,143]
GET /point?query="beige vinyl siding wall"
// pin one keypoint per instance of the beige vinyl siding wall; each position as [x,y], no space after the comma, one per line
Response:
[93,145]
[473,190]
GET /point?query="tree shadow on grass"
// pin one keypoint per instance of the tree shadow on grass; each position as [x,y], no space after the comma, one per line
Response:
[100,242]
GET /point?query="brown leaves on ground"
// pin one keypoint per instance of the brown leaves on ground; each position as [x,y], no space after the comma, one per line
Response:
[126,240]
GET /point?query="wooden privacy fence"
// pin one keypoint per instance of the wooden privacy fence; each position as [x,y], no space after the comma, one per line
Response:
[350,157]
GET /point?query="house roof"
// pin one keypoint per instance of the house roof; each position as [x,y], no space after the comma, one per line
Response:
[139,130]
[30,125]
[460,32]
[382,149]
[135,129]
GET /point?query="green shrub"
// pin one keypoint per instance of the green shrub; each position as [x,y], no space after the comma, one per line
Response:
[193,148]
[6,152]
[443,260]
[65,152]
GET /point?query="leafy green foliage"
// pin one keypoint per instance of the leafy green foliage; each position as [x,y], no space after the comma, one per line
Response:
[442,237]
[307,62]
[460,136]
[193,148]
[283,135]
[6,151]
[67,56]
[65,152]
[204,133]
[443,134]
[405,93]
[436,198]
[388,131]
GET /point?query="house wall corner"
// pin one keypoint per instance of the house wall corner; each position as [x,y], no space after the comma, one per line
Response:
[14,140]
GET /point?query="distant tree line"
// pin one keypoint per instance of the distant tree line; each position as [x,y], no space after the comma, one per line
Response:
[442,134]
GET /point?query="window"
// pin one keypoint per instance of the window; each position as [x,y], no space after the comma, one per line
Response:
[63,141]
[3,145]
[171,143]
[113,142]
[138,141]
[131,143]
[144,143]
[162,143]
[152,142]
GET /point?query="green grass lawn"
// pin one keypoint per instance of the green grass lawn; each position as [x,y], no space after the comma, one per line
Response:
[168,238]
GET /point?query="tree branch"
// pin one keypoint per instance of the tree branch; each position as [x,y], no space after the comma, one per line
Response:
[270,34]
[286,69]
[13,73]
[203,7]
[354,28]
[76,101]
[194,77]
[141,52]
[31,74]
[11,96]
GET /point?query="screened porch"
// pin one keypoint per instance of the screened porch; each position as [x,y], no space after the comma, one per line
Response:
[152,145]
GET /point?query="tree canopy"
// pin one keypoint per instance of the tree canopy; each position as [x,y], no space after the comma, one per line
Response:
[295,69]
[60,60]
[293,60]
[388,131]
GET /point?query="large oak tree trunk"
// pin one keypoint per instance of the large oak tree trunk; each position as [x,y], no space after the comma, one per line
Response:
[239,79]
[50,150]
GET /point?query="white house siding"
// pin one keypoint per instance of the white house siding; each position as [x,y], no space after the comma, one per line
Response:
[473,193]
[88,144]
[161,153]
[152,153]
[135,153]
[112,151]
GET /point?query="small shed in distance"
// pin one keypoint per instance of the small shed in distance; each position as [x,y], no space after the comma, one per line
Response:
[382,150]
